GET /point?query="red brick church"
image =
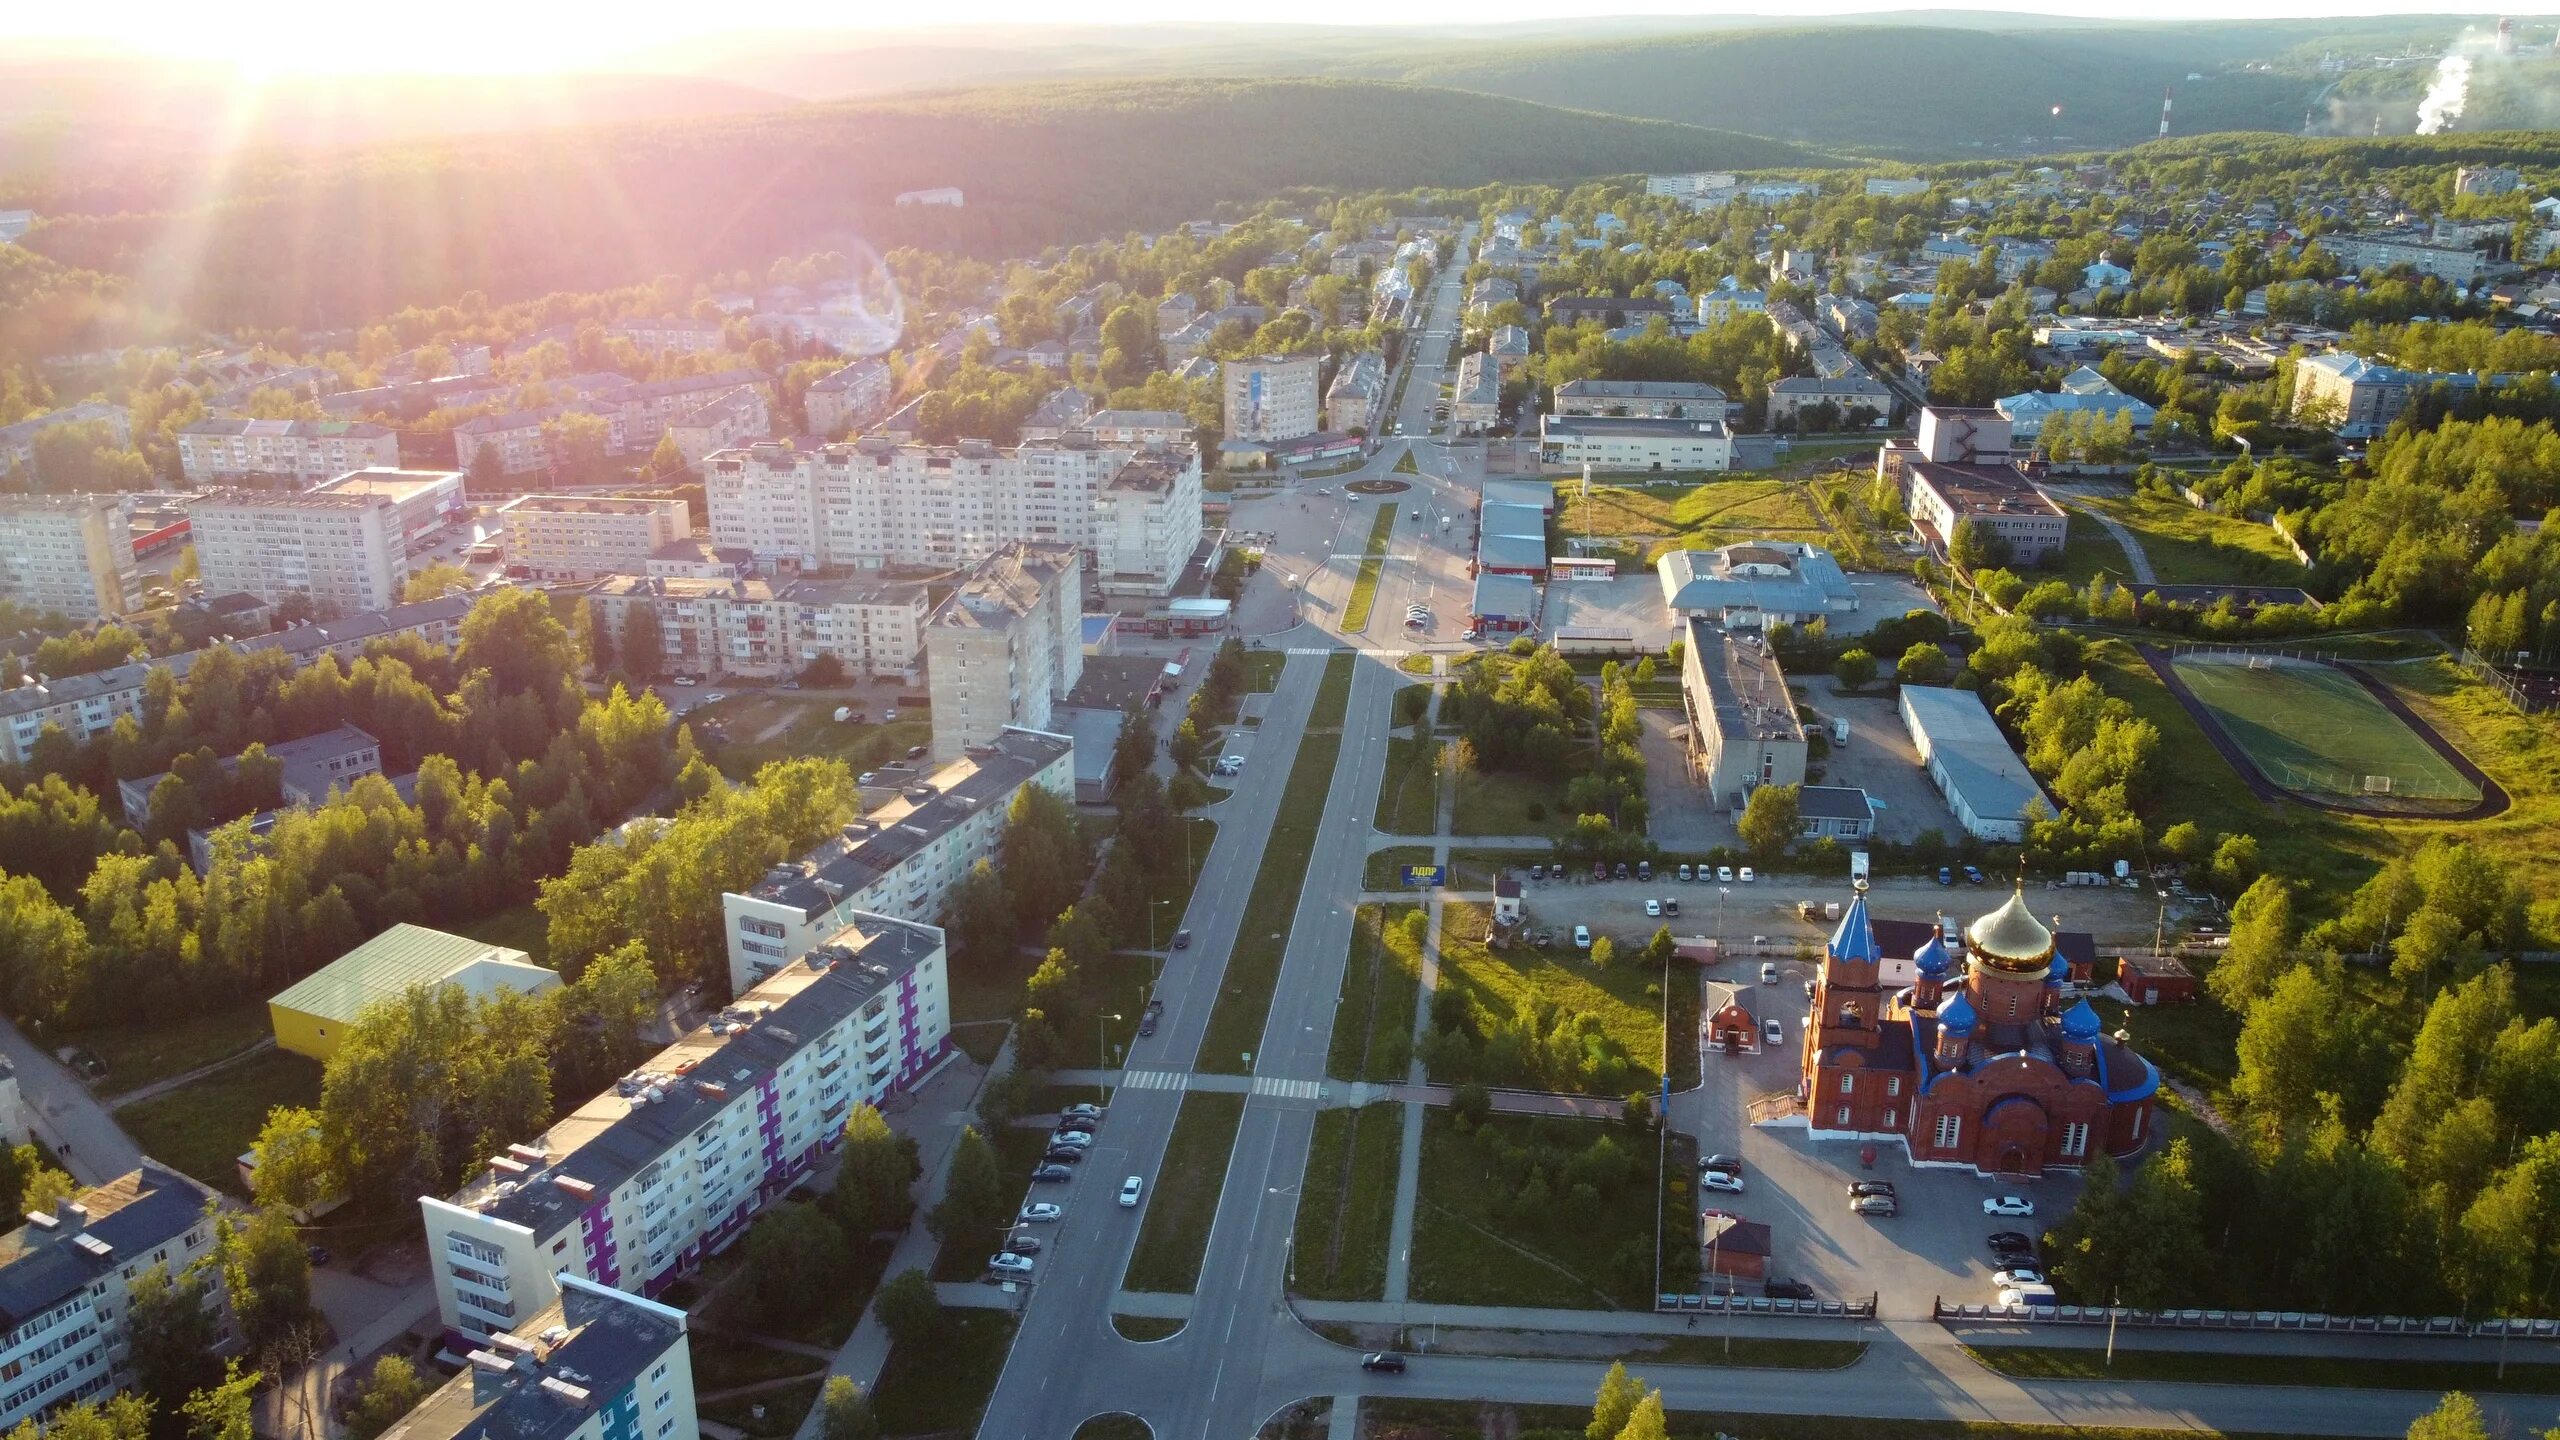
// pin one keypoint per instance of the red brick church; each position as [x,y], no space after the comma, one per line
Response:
[1976,1063]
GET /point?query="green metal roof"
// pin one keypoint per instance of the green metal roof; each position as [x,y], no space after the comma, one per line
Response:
[388,964]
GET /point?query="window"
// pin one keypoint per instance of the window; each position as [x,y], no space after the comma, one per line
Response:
[1950,1129]
[1888,1119]
[2075,1138]
[1893,1084]
[1848,1084]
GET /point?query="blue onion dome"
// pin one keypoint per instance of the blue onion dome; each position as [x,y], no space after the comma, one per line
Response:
[2080,1023]
[1956,1017]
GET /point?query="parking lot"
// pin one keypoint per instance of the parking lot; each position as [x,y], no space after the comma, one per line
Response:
[1880,760]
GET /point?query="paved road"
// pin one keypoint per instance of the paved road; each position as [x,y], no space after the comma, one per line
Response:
[65,1115]
[2134,557]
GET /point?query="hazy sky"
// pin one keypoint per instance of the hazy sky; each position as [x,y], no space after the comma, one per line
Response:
[538,35]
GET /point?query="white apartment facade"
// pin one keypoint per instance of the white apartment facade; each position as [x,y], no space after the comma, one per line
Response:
[578,537]
[1146,522]
[1004,647]
[736,417]
[211,452]
[345,552]
[1272,397]
[1623,444]
[902,858]
[641,1183]
[851,397]
[1357,398]
[71,554]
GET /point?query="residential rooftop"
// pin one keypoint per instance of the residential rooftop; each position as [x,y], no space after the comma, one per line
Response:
[540,1381]
[1745,685]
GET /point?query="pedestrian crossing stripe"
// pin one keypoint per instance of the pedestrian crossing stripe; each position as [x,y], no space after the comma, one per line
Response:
[1154,1079]
[1288,1089]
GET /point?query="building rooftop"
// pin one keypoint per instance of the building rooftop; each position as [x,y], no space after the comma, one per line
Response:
[923,811]
[289,429]
[1984,489]
[1603,426]
[292,500]
[1786,577]
[1834,802]
[548,1184]
[1744,685]
[1156,469]
[1005,586]
[587,504]
[1639,390]
[48,1260]
[26,503]
[397,484]
[404,956]
[1966,745]
[541,1381]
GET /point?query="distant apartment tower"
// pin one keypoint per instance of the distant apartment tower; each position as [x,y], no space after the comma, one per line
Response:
[1005,646]
[1699,186]
[729,626]
[904,857]
[734,417]
[18,441]
[343,552]
[848,399]
[596,1364]
[1272,398]
[578,537]
[636,1187]
[67,1275]
[70,554]
[1146,522]
[306,452]
[1358,394]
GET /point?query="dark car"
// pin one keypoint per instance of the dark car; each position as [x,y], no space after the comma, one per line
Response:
[1147,1023]
[1622,869]
[1064,1155]
[1052,1175]
[1729,1164]
[1021,1245]
[316,1254]
[1181,939]
[1599,869]
[1778,1287]
[2010,1242]
[1946,876]
[1870,1187]
[915,752]
[1385,1360]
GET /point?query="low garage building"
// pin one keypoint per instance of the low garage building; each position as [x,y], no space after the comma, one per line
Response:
[1511,555]
[2155,979]
[1840,812]
[1986,784]
[313,1017]
[1538,494]
[1504,604]
[1732,1027]
[1732,1248]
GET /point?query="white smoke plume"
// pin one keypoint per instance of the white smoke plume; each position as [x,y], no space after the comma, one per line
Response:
[2446,94]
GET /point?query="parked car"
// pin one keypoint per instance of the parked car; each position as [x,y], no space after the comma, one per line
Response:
[1386,1361]
[1080,1139]
[1537,871]
[1599,869]
[714,698]
[1005,1263]
[686,681]
[1181,939]
[1063,1155]
[1041,1213]
[1779,1287]
[1085,1111]
[1946,876]
[1773,1033]
[1021,1245]
[1972,875]
[1670,905]
[1685,871]
[1129,1190]
[1622,870]
[316,1254]
[1720,1182]
[1877,1206]
[1768,972]
[1747,877]
[1051,1174]
[2009,1206]
[790,685]
[1644,869]
[1730,1164]
[2007,1243]
[1653,908]
[1724,874]
[1869,1187]
[2016,1275]
[1581,937]
[914,752]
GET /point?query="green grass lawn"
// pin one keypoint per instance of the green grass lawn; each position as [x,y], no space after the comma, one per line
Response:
[2188,546]
[1415,664]
[1404,694]
[1470,1248]
[1701,516]
[1373,562]
[724,1362]
[1118,1426]
[2313,728]
[520,927]
[202,1127]
[1500,803]
[1409,790]
[812,731]
[1116,997]
[2057,1362]
[942,1388]
[1333,693]
[1262,670]
[1381,987]
[143,1054]
[1346,1207]
[1405,463]
[784,1409]
[1176,1233]
[1244,1000]
[2193,1044]
[1499,981]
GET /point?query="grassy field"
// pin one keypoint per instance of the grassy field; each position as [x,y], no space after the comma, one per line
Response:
[1498,982]
[1262,670]
[784,1409]
[811,729]
[724,1362]
[1018,1149]
[139,1055]
[2313,728]
[1415,664]
[1347,1204]
[2194,1044]
[2188,546]
[202,1127]
[1333,693]
[1697,517]
[520,927]
[2056,1362]
[1176,1233]
[1475,1420]
[1120,1426]
[1506,804]
[1381,986]
[942,1388]
[1373,562]
[1468,1251]
[1244,1002]
[1409,791]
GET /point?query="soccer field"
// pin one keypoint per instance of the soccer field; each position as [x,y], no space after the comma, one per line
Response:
[2313,728]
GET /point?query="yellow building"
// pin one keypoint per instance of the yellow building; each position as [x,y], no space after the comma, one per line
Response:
[313,1017]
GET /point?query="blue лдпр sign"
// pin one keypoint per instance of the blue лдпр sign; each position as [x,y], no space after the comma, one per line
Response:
[1422,874]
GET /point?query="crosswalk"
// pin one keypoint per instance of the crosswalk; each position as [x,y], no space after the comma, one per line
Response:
[1154,1079]
[1288,1089]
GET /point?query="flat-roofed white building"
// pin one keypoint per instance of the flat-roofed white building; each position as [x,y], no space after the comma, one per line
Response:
[68,554]
[307,451]
[1649,399]
[423,501]
[1987,785]
[344,552]
[904,857]
[1621,445]
[578,537]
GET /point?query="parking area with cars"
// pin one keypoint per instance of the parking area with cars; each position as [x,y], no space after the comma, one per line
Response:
[1879,759]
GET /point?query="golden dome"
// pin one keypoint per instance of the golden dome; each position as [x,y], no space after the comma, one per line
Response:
[2011,938]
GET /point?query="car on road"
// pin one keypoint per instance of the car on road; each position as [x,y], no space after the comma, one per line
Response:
[316,1254]
[1040,1213]
[1063,1154]
[1004,1264]
[1973,875]
[1773,1033]
[1720,1182]
[1671,905]
[1869,1187]
[1384,1361]
[1653,907]
[1129,1191]
[2009,1206]
[1946,876]
[1877,1206]
[1768,972]
[1021,1245]
[1181,939]
[1413,514]
[1147,1024]
[1779,1287]
[1231,765]
[1416,622]
[714,698]
[1051,1174]
[1685,871]
[2006,1243]
[1724,873]
[1730,1164]
[1087,1111]
[1581,937]
[686,681]
[2014,1276]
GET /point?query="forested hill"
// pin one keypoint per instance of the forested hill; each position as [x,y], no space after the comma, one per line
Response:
[1917,90]
[334,239]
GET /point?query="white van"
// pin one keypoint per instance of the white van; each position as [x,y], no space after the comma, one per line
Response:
[2029,1295]
[1839,730]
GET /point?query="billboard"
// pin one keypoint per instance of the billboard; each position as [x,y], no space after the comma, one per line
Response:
[1424,874]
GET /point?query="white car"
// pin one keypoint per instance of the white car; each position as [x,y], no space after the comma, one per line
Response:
[1718,1180]
[1747,876]
[685,680]
[1725,873]
[1581,937]
[1073,1139]
[1773,1033]
[1006,1265]
[1653,907]
[1130,1189]
[1768,972]
[1041,1213]
[2014,1278]
[2010,1206]
[714,698]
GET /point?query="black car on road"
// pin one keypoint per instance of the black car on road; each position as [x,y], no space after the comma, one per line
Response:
[1384,1360]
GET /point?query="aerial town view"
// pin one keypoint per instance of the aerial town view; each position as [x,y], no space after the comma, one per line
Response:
[1412,722]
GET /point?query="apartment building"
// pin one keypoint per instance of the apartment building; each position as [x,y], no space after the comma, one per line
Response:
[2455,264]
[423,502]
[1146,522]
[1273,397]
[1647,399]
[1961,469]
[344,552]
[70,554]
[874,627]
[577,537]
[848,399]
[902,858]
[735,417]
[671,335]
[596,1365]
[310,768]
[705,627]
[639,1184]
[1004,647]
[520,439]
[1705,186]
[84,707]
[1856,399]
[1357,398]
[1065,409]
[18,442]
[1475,399]
[648,410]
[66,1276]
[1126,428]
[307,452]
[2359,398]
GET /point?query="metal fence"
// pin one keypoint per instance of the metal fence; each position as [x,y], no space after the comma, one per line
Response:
[2447,1326]
[2525,704]
[1705,1304]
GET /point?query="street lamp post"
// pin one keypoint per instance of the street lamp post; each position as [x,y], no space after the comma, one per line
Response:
[1101,1057]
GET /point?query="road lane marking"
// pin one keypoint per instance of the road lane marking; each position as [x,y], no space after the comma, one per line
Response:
[1288,1089]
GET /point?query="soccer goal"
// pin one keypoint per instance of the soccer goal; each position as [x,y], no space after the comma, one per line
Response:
[2377,784]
